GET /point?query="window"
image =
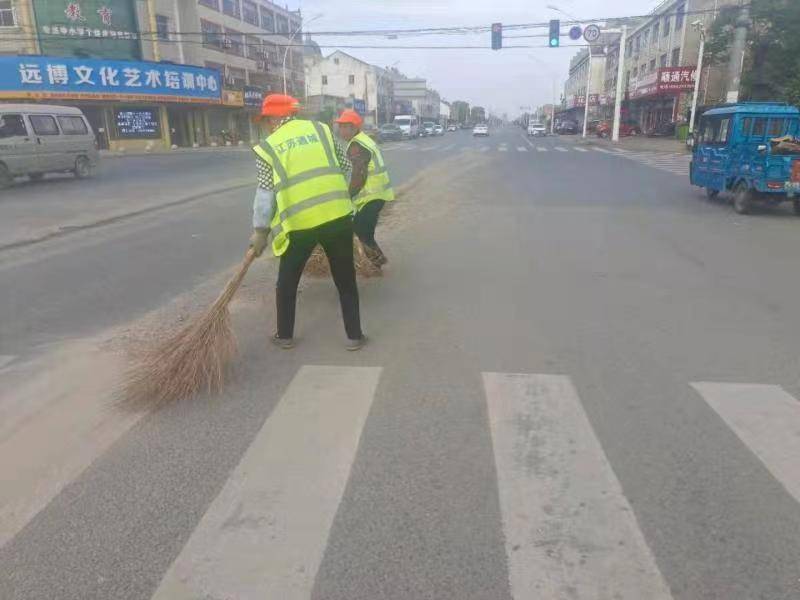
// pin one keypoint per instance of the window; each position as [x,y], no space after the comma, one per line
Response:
[667,21]
[253,48]
[234,39]
[12,125]
[212,34]
[747,123]
[216,66]
[715,130]
[662,62]
[267,20]
[629,47]
[645,38]
[7,14]
[231,7]
[724,128]
[351,79]
[44,125]
[775,128]
[759,127]
[324,80]
[162,27]
[250,12]
[652,65]
[680,11]
[210,3]
[72,125]
[336,61]
[635,73]
[238,77]
[676,57]
[656,27]
[636,41]
[283,24]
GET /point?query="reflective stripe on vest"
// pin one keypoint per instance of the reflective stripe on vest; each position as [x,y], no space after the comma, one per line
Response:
[309,185]
[378,185]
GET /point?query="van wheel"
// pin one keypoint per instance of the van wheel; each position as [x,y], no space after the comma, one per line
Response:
[796,207]
[5,177]
[36,176]
[83,168]
[743,199]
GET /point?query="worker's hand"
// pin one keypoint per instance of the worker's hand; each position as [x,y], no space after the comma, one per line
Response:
[258,241]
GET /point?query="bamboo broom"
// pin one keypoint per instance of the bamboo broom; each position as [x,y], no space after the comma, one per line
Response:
[192,361]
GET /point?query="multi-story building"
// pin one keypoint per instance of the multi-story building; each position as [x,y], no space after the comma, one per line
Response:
[154,72]
[661,64]
[412,96]
[342,80]
[579,78]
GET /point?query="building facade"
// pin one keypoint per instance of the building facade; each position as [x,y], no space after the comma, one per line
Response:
[579,77]
[185,72]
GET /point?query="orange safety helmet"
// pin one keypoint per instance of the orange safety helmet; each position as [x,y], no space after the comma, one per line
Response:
[279,105]
[351,117]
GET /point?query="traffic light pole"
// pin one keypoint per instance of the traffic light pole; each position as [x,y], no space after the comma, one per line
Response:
[586,99]
[620,75]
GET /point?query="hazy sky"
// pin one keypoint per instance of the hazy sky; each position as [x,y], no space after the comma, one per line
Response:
[501,80]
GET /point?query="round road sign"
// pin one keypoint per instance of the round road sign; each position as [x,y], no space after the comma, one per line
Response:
[591,33]
[575,32]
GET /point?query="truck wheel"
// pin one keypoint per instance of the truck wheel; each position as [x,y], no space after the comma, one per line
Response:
[796,207]
[82,167]
[743,199]
[712,194]
[5,177]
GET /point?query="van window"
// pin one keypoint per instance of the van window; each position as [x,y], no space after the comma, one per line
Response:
[724,130]
[72,125]
[43,124]
[759,127]
[12,125]
[715,130]
[775,128]
[747,123]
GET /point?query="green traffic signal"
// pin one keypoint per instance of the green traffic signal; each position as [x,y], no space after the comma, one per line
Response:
[555,33]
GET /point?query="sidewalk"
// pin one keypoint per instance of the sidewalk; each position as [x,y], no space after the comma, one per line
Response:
[161,151]
[637,143]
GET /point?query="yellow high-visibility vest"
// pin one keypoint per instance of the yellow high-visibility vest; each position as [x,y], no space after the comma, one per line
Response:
[310,188]
[378,185]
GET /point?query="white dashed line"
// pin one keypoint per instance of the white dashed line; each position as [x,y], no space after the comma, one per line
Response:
[560,149]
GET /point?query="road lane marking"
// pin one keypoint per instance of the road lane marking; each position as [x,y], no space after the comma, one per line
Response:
[521,149]
[569,529]
[579,149]
[541,149]
[484,148]
[527,141]
[561,149]
[767,419]
[265,533]
[502,149]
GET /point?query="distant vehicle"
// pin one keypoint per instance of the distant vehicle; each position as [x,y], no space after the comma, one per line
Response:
[452,128]
[663,129]
[465,125]
[39,138]
[592,125]
[626,128]
[389,132]
[480,129]
[409,125]
[428,128]
[750,149]
[568,127]
[438,130]
[536,130]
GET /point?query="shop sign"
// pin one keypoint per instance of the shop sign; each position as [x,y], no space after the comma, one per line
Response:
[55,77]
[253,96]
[232,98]
[138,123]
[106,28]
[672,79]
[360,106]
[646,84]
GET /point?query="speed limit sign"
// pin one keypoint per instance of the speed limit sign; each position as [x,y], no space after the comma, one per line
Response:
[591,33]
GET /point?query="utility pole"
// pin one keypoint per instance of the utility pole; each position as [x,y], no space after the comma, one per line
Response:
[737,53]
[151,19]
[698,25]
[620,76]
[586,98]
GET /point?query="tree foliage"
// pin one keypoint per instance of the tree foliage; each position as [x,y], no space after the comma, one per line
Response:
[772,62]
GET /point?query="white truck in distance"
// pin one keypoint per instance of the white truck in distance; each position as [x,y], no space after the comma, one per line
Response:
[408,124]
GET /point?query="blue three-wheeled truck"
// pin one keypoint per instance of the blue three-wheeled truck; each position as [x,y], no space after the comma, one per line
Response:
[751,149]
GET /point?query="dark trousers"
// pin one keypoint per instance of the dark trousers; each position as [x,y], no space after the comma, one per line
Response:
[365,222]
[336,238]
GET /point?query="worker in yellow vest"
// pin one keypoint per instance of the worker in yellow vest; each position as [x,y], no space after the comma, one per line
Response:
[370,187]
[303,200]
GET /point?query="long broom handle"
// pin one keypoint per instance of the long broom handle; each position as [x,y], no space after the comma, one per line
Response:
[233,284]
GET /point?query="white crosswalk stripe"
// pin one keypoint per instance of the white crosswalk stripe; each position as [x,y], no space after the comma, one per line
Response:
[502,149]
[561,149]
[559,496]
[484,148]
[766,419]
[579,149]
[265,533]
[541,149]
[521,149]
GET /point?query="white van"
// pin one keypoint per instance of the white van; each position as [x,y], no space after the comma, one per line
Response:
[38,138]
[408,124]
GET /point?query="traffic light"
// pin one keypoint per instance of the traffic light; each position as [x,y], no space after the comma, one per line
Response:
[497,36]
[555,33]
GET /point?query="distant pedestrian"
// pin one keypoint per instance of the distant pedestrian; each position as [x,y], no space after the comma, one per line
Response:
[370,186]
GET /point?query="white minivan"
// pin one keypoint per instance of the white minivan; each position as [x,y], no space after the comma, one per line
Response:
[38,138]
[409,125]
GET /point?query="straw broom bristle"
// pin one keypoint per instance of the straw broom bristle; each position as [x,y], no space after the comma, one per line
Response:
[317,265]
[192,361]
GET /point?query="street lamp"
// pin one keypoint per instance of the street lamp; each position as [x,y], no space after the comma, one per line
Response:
[699,27]
[563,12]
[288,45]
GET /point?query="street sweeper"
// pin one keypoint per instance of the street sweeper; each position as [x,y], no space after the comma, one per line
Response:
[302,200]
[370,186]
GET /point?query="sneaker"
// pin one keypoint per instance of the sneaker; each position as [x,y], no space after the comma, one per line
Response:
[282,343]
[357,344]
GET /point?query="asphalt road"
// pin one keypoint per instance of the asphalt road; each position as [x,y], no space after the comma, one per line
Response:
[581,382]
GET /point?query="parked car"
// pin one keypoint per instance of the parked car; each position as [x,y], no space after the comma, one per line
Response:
[480,129]
[568,127]
[536,130]
[452,128]
[663,129]
[389,132]
[428,128]
[39,138]
[438,130]
[626,128]
[409,125]
[592,125]
[750,149]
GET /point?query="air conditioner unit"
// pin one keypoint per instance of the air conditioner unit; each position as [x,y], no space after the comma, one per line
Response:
[226,43]
[230,80]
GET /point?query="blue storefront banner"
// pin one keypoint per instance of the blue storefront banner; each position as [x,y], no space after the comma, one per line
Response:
[56,77]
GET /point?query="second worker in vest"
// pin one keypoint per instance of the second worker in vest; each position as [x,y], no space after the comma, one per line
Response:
[303,200]
[370,187]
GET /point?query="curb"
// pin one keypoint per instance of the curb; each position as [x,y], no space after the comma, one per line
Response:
[104,154]
[66,230]
[678,149]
